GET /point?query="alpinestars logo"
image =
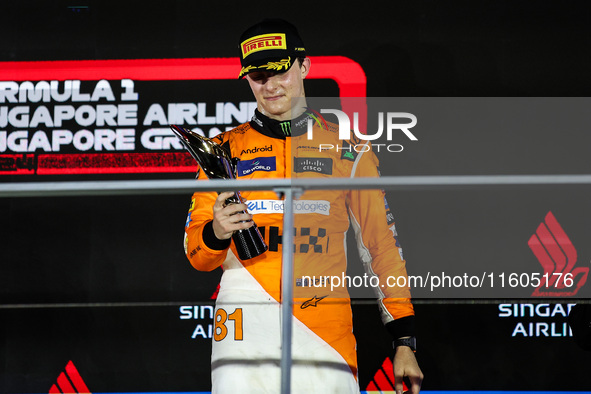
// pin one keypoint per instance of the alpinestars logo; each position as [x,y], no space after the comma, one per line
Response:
[558,257]
[312,302]
[383,380]
[69,382]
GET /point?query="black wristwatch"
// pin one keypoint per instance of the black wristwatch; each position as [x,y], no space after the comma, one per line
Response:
[411,342]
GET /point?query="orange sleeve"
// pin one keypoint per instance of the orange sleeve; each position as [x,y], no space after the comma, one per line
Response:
[204,251]
[202,256]
[378,246]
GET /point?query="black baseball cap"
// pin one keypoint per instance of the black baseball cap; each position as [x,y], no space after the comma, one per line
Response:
[270,45]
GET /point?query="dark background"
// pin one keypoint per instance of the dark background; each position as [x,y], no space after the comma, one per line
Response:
[420,48]
[99,281]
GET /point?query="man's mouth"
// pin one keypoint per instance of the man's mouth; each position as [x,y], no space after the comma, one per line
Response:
[273,98]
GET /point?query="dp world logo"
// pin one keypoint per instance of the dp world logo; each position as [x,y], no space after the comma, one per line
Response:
[558,257]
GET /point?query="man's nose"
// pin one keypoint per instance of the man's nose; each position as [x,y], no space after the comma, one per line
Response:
[271,82]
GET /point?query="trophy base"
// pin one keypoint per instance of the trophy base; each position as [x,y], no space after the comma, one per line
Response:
[249,243]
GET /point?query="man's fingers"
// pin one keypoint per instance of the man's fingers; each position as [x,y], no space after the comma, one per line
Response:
[233,209]
[220,202]
[225,195]
[415,382]
[398,382]
[226,226]
[240,218]
[229,218]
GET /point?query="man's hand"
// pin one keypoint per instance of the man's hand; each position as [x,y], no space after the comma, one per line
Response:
[229,218]
[405,365]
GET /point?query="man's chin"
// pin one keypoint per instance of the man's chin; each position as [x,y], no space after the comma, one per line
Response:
[279,113]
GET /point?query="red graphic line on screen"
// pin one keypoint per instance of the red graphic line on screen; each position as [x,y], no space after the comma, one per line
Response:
[76,379]
[543,257]
[64,384]
[96,163]
[553,249]
[557,255]
[383,379]
[382,382]
[115,163]
[567,251]
[69,382]
[214,296]
[348,74]
[18,164]
[370,387]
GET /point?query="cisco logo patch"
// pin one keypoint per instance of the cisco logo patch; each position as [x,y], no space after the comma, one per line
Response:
[320,165]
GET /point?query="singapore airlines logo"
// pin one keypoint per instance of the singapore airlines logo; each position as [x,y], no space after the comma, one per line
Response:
[557,256]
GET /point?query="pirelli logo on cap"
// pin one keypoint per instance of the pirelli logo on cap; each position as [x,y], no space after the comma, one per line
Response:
[263,42]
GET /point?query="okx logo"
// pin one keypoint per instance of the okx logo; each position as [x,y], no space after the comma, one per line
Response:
[558,257]
[69,382]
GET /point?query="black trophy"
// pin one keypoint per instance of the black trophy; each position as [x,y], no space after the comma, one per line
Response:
[216,162]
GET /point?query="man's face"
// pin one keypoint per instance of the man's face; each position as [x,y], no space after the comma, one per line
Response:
[274,91]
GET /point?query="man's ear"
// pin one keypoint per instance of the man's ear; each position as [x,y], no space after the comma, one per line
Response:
[305,68]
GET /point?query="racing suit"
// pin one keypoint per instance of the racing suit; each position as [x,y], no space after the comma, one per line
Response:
[246,344]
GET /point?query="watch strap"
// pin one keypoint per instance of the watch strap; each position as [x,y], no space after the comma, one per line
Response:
[411,342]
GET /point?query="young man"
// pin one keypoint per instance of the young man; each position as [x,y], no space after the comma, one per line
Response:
[246,347]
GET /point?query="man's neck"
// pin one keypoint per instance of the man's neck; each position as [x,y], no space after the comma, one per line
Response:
[298,107]
[275,128]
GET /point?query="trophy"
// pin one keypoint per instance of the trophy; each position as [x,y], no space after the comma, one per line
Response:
[216,162]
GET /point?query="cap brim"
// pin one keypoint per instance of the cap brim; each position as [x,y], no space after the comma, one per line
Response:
[273,64]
